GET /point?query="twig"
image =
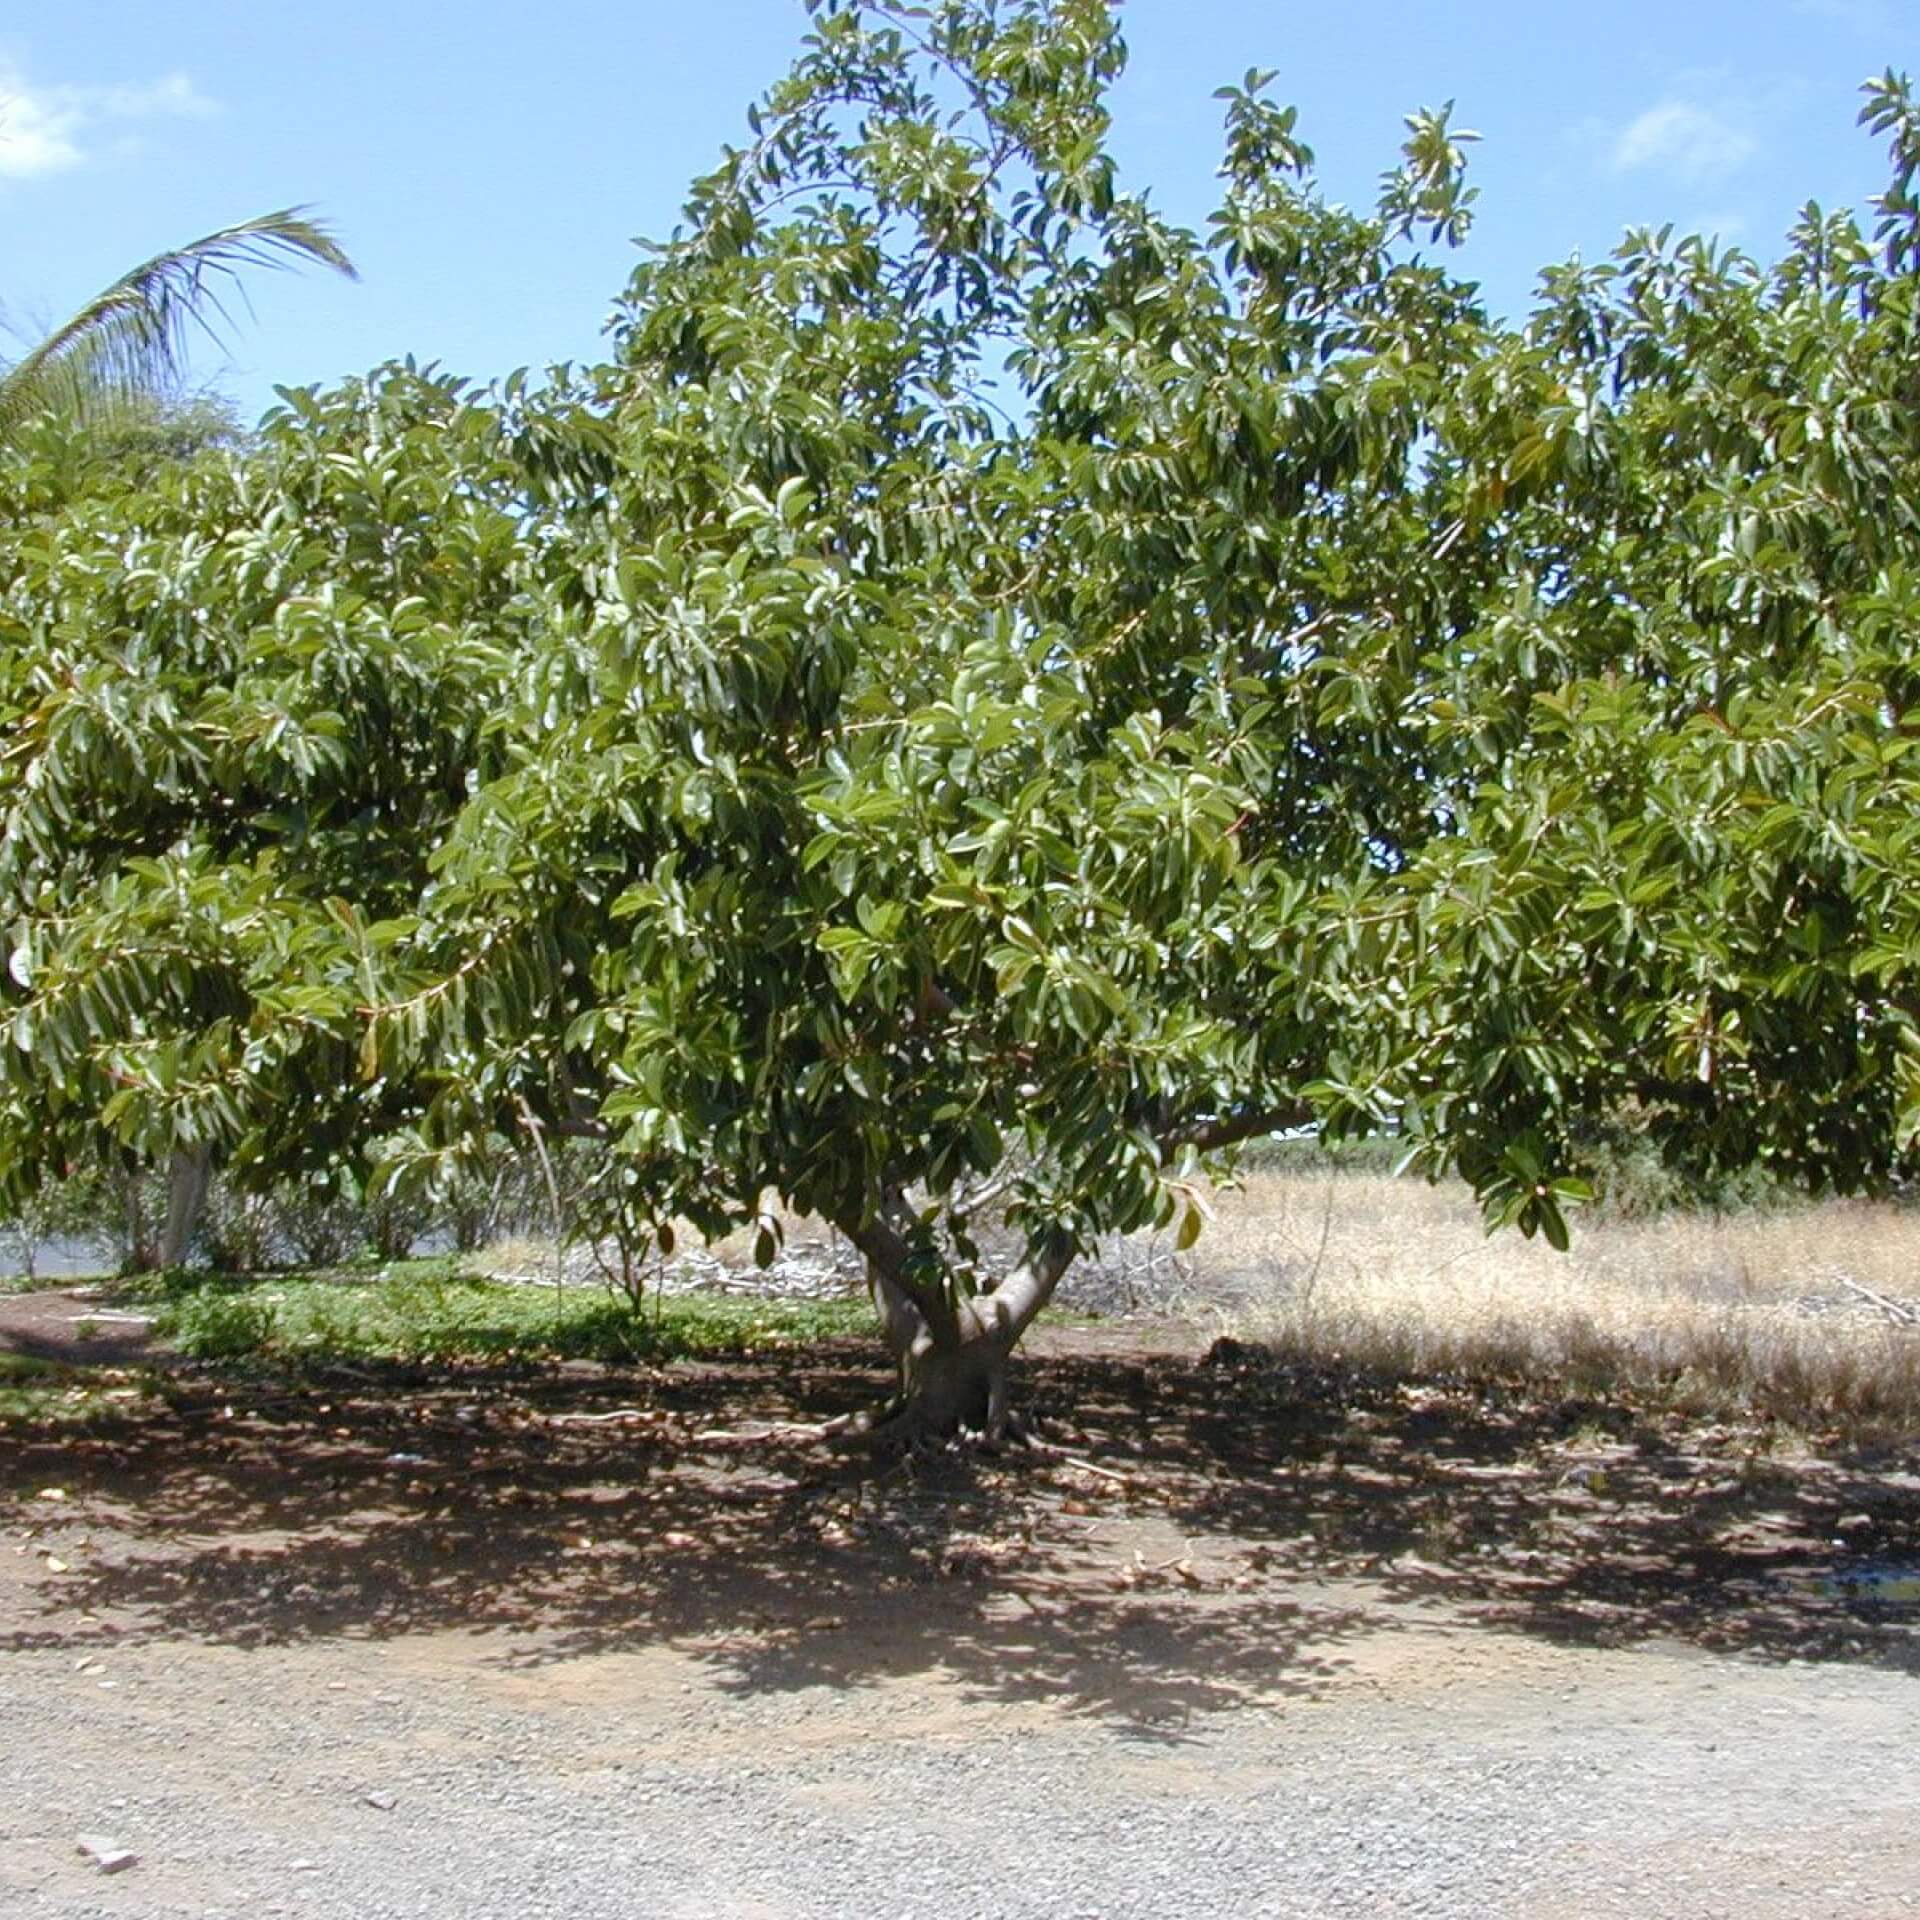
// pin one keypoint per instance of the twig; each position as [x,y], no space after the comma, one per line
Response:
[553,1195]
[240,1412]
[1896,1310]
[789,1430]
[1051,1452]
[596,1419]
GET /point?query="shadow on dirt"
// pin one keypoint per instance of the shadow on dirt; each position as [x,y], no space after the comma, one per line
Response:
[1201,1534]
[77,1326]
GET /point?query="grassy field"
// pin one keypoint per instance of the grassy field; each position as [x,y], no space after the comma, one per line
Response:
[1762,1309]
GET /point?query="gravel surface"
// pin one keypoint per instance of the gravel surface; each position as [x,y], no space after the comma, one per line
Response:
[1426,1770]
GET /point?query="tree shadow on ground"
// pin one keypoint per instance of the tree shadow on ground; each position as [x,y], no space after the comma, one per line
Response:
[1199,1536]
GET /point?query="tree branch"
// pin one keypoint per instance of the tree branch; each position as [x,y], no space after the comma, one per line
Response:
[891,1256]
[1229,1129]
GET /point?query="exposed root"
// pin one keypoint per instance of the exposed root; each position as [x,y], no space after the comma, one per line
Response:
[901,1429]
[783,1430]
[912,1429]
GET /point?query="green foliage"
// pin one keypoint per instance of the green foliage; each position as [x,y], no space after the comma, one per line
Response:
[218,1325]
[431,1311]
[40,1394]
[105,365]
[988,687]
[242,703]
[1632,1180]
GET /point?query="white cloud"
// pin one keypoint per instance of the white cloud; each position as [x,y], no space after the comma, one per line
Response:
[1688,142]
[49,129]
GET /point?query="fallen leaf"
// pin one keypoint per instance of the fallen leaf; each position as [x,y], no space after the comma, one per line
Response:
[55,1564]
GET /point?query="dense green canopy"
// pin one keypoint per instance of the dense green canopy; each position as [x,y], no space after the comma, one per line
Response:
[989,684]
[241,703]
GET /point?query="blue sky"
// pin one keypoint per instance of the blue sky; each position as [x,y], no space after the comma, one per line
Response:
[488,166]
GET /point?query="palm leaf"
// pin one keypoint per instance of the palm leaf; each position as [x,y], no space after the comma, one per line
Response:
[131,339]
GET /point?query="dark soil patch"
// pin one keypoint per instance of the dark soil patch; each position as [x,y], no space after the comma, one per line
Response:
[78,1327]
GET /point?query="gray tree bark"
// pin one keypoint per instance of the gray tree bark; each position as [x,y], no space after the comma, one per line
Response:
[952,1353]
[189,1171]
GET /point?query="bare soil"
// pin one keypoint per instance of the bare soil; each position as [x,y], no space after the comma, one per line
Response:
[76,1326]
[1245,1639]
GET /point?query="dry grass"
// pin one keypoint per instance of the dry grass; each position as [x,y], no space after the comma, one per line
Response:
[1747,1313]
[1751,1310]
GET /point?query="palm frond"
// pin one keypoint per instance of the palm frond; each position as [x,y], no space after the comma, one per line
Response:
[132,337]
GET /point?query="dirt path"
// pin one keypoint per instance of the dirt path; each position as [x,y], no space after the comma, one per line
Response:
[1306,1647]
[76,1326]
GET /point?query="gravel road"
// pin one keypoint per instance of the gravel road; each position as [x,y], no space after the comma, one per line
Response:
[1426,1769]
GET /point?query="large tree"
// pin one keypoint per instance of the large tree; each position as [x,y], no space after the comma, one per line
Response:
[1011,696]
[1061,694]
[243,698]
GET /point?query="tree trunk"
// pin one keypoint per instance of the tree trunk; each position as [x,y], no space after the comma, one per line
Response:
[188,1173]
[953,1355]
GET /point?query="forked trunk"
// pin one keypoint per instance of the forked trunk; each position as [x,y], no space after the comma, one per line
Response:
[953,1355]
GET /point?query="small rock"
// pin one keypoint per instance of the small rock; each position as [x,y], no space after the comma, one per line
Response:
[381,1798]
[106,1853]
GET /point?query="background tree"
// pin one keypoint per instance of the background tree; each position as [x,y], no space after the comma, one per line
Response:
[241,701]
[129,342]
[115,370]
[1676,750]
